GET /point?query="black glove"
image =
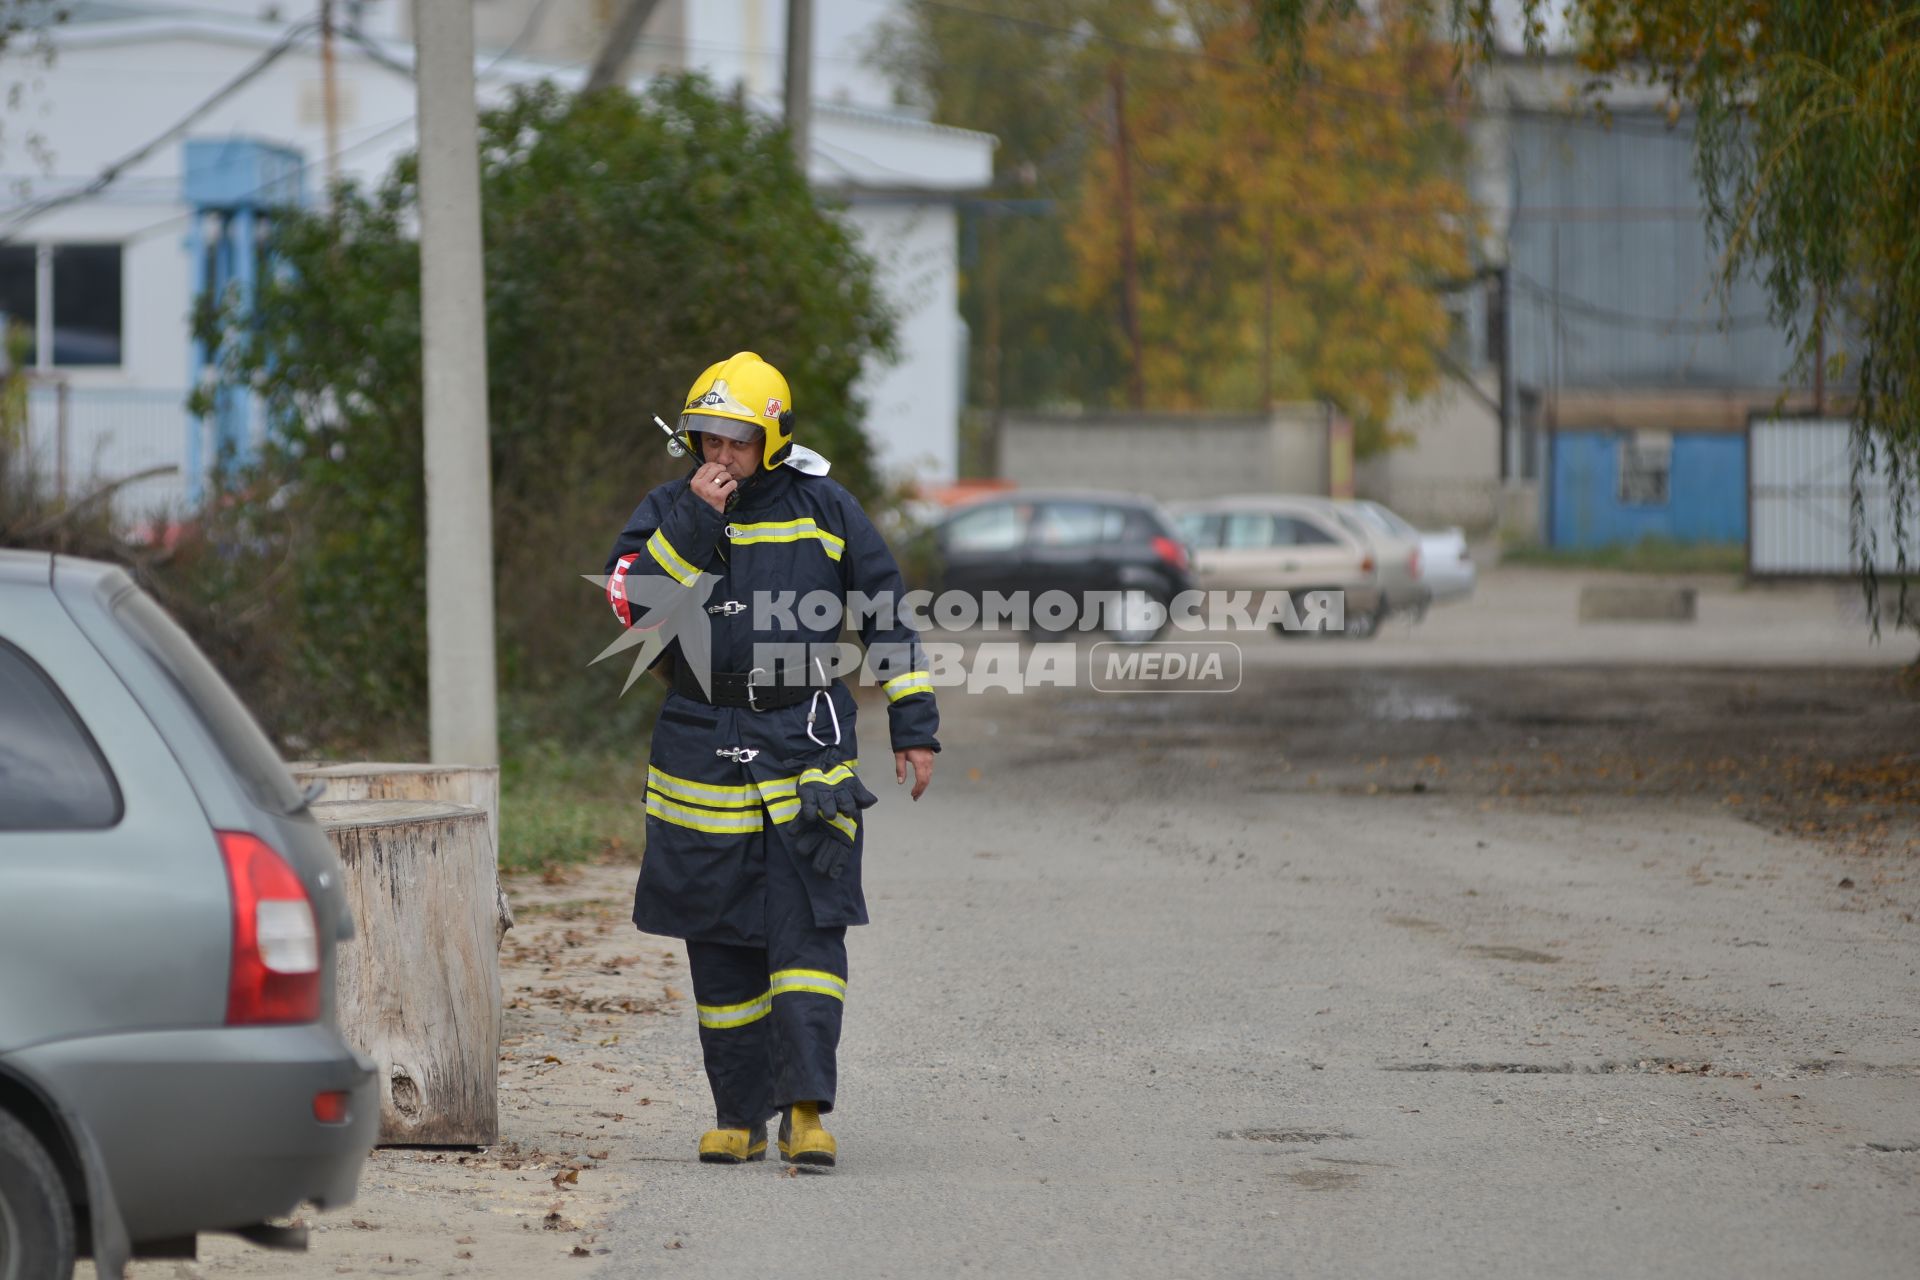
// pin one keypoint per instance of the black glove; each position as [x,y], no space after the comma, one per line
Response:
[832,792]
[827,845]
[831,798]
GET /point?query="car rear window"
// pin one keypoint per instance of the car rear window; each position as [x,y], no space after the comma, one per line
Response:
[1248,530]
[52,775]
[1200,529]
[1302,531]
[1395,523]
[998,527]
[1078,524]
[234,730]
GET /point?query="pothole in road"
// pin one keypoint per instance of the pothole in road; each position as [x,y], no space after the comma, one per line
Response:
[1286,1135]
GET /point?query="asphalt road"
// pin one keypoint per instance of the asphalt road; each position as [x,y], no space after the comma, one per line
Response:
[1383,973]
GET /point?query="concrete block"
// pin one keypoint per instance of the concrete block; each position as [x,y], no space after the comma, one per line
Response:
[1637,602]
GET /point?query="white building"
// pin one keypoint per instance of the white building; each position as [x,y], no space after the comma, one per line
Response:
[103,276]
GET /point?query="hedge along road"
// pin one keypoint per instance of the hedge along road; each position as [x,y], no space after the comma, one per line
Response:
[1378,972]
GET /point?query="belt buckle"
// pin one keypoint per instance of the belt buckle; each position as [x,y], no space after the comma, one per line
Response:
[752,705]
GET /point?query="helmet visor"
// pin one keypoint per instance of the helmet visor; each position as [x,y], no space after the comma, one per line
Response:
[714,424]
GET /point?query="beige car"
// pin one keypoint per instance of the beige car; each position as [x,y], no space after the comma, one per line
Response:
[1301,544]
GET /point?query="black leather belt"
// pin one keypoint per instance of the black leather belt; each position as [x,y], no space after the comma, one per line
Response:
[750,689]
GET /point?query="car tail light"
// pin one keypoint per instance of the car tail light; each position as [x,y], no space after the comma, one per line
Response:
[1413,563]
[332,1107]
[1366,564]
[275,974]
[1174,553]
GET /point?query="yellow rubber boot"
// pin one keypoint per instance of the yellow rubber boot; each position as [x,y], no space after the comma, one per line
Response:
[733,1146]
[802,1139]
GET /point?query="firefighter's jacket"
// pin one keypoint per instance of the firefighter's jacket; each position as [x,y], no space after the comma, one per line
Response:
[713,814]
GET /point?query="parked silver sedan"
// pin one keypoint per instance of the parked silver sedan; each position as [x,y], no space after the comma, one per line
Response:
[169,1060]
[1446,564]
[1302,543]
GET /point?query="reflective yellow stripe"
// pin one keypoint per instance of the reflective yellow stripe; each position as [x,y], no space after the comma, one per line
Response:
[672,561]
[783,811]
[722,1016]
[714,795]
[817,981]
[910,683]
[727,808]
[801,530]
[702,819]
[783,788]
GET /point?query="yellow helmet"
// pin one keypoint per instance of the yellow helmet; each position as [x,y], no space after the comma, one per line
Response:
[743,398]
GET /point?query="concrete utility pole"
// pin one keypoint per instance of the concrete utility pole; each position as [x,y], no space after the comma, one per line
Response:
[453,340]
[799,80]
[329,98]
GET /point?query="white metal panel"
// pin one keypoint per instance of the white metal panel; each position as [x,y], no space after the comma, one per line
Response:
[95,436]
[1800,499]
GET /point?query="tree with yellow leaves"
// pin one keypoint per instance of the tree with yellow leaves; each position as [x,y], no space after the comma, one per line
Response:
[1278,236]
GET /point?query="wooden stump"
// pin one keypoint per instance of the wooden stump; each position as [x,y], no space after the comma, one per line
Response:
[476,785]
[419,984]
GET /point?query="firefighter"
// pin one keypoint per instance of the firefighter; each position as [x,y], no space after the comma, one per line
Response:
[754,785]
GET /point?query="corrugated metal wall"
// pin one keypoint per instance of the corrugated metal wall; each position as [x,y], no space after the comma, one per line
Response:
[1802,495]
[1609,247]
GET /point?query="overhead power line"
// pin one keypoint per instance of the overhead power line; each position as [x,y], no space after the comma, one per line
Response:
[111,173]
[1667,324]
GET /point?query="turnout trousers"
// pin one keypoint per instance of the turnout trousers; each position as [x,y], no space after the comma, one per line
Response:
[770,1015]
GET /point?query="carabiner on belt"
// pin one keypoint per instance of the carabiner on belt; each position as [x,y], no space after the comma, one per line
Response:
[813,708]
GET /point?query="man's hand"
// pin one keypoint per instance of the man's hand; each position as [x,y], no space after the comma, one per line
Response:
[713,484]
[921,758]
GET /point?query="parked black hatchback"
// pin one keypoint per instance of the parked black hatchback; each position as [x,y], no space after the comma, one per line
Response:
[1092,545]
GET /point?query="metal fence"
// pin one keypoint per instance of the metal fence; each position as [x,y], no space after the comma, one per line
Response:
[1800,495]
[80,439]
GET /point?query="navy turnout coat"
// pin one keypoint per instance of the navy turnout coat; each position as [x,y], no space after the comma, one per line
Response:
[712,818]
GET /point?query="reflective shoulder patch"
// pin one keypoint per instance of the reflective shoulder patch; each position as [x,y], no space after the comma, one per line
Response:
[806,461]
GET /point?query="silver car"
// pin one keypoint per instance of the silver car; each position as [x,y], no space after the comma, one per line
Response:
[1302,543]
[1446,563]
[169,909]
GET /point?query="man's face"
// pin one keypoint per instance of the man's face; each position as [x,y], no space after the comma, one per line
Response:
[741,458]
